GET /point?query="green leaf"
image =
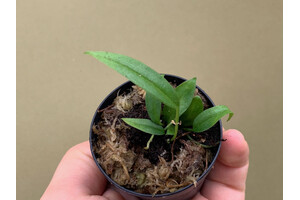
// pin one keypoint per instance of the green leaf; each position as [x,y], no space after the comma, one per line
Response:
[209,117]
[185,92]
[168,114]
[153,106]
[171,130]
[141,75]
[145,125]
[195,108]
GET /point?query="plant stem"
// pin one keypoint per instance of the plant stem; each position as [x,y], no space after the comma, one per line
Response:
[149,141]
[168,126]
[176,124]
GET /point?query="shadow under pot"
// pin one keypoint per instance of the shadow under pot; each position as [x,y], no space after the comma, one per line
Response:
[167,170]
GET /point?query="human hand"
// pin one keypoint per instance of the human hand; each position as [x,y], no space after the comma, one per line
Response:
[77,176]
[227,180]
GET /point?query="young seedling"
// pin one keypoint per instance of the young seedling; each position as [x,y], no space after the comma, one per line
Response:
[181,108]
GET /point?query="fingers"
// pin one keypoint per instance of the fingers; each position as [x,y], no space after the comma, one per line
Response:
[230,171]
[127,196]
[76,175]
[234,152]
[111,194]
[199,197]
[214,190]
[231,177]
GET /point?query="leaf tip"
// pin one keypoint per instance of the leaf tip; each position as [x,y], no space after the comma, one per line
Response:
[230,116]
[96,53]
[125,120]
[88,52]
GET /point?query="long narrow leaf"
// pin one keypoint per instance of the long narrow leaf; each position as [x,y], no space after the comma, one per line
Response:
[209,117]
[195,108]
[185,92]
[145,125]
[141,75]
[153,106]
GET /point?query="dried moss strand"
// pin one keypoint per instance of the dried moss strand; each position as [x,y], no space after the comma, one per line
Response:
[119,159]
[177,185]
[110,146]
[108,107]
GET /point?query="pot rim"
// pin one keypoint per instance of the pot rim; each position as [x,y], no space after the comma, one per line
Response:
[203,175]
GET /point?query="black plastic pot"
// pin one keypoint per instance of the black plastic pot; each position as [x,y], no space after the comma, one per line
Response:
[183,194]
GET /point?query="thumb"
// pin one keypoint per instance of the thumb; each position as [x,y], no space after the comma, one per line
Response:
[228,177]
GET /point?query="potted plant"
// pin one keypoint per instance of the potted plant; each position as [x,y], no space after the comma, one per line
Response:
[155,136]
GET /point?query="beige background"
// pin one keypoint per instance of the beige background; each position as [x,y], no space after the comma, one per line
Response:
[234,48]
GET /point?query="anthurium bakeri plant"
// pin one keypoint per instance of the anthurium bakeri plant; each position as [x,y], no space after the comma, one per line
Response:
[181,108]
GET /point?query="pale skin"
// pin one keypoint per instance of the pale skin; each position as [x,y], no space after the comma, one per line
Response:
[77,176]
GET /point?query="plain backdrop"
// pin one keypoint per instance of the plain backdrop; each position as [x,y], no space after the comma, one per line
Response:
[234,48]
